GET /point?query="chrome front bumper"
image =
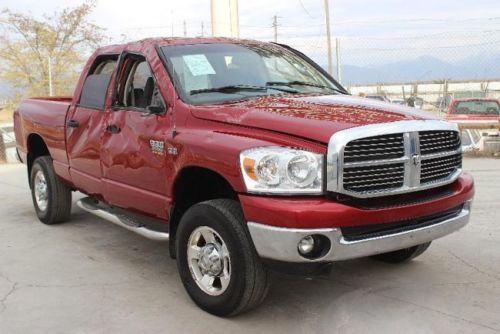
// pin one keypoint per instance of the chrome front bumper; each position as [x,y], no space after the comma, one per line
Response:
[280,244]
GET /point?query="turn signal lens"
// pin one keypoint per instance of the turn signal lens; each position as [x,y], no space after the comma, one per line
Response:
[248,167]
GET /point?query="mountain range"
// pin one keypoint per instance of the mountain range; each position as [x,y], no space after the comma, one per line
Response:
[425,68]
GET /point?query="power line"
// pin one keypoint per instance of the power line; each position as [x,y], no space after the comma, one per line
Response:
[305,10]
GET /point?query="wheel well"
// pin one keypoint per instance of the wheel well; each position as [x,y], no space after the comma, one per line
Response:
[36,148]
[195,185]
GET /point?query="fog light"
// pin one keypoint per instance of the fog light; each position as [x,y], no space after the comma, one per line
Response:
[306,245]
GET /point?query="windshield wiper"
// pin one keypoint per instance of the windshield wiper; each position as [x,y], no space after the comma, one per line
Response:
[301,83]
[236,88]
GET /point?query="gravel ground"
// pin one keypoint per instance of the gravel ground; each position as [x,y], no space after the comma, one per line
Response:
[89,276]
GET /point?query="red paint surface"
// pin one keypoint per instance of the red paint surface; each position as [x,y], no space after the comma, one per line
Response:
[453,116]
[312,117]
[320,212]
[122,169]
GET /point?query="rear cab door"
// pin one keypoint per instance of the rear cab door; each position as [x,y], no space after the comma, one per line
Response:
[85,125]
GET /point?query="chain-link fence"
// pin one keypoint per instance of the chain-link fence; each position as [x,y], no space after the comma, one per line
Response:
[452,59]
[7,143]
[432,66]
[435,67]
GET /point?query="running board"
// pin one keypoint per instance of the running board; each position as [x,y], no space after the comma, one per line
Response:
[128,222]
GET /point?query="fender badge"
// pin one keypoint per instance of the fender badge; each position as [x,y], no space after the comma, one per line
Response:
[157,147]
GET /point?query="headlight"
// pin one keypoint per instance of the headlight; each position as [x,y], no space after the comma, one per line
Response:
[282,170]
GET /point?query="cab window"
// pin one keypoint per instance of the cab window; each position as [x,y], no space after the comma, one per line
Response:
[137,88]
[95,87]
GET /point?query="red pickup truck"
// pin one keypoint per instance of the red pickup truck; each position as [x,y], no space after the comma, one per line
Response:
[474,111]
[246,156]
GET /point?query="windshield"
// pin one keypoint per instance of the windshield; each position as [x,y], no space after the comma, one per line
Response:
[219,72]
[477,107]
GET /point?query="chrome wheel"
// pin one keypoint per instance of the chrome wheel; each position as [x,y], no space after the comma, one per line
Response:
[41,191]
[209,261]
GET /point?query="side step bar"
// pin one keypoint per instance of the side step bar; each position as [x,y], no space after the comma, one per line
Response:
[128,222]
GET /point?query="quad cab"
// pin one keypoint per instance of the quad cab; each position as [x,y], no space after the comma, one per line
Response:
[246,156]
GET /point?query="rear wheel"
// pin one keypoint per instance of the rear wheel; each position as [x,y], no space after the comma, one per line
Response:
[216,259]
[403,255]
[51,197]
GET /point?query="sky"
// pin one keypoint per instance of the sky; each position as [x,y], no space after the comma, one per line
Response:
[370,32]
[350,18]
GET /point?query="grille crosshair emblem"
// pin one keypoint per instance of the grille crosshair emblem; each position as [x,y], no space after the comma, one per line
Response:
[416,159]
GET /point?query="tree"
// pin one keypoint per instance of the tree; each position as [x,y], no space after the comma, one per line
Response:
[30,45]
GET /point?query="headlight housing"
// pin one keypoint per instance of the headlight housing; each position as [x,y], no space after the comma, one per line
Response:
[282,170]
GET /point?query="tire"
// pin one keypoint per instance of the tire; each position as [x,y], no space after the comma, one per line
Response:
[248,281]
[54,206]
[402,255]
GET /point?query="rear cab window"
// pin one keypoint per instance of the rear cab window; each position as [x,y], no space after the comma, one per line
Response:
[490,107]
[96,84]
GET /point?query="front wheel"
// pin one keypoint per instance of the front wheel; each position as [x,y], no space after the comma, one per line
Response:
[216,259]
[51,197]
[403,255]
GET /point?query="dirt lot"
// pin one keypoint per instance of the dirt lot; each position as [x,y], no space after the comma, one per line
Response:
[88,276]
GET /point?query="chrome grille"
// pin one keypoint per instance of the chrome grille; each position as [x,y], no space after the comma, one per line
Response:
[374,178]
[398,157]
[438,141]
[436,169]
[375,148]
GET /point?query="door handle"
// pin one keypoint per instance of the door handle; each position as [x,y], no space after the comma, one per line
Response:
[113,129]
[72,123]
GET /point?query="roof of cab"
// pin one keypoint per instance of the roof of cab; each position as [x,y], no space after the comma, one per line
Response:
[148,42]
[471,99]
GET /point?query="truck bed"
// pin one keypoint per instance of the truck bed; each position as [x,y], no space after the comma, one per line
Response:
[46,117]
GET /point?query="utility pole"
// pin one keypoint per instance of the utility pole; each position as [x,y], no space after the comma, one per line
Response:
[275,27]
[225,18]
[51,93]
[185,29]
[339,64]
[172,23]
[202,29]
[328,37]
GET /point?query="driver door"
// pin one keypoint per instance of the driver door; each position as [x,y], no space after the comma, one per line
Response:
[134,161]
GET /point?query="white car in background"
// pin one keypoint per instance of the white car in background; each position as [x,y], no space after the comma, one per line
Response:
[476,140]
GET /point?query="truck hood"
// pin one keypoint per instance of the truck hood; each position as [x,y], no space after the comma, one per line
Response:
[313,117]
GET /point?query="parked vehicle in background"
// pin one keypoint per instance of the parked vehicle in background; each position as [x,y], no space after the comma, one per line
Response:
[399,101]
[378,97]
[474,110]
[246,156]
[415,102]
[471,140]
[480,140]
